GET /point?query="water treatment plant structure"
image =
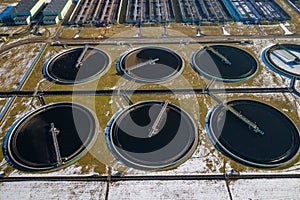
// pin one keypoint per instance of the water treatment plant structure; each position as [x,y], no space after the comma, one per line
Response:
[166,113]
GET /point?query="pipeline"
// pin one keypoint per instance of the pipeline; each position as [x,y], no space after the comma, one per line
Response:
[143,92]
[93,178]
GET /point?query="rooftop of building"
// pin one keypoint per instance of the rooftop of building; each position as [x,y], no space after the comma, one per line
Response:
[55,6]
[26,5]
[49,18]
[21,18]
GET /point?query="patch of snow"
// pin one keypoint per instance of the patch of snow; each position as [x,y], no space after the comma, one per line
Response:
[265,189]
[52,190]
[285,29]
[203,161]
[16,63]
[225,32]
[70,170]
[52,30]
[168,190]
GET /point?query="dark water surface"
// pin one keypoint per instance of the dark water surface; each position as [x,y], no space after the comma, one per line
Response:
[130,142]
[168,65]
[236,139]
[243,65]
[31,143]
[62,68]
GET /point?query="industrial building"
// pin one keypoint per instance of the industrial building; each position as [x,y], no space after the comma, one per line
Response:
[5,16]
[56,10]
[99,12]
[295,4]
[254,11]
[204,10]
[26,10]
[247,11]
[95,12]
[150,11]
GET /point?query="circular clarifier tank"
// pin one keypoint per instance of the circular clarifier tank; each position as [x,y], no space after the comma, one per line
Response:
[224,63]
[256,135]
[50,137]
[152,135]
[150,64]
[284,58]
[78,65]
